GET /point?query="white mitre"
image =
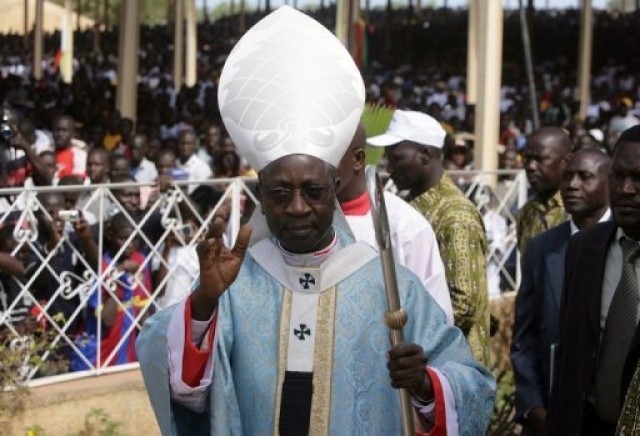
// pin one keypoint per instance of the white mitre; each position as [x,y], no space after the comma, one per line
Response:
[290,87]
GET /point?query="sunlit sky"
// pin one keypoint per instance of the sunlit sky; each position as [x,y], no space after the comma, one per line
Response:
[451,3]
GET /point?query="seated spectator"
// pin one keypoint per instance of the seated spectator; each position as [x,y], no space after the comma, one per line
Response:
[71,197]
[227,165]
[14,270]
[112,137]
[128,201]
[153,148]
[166,161]
[196,169]
[63,258]
[71,158]
[116,310]
[120,166]
[20,158]
[37,138]
[180,265]
[48,159]
[142,169]
[98,168]
[212,145]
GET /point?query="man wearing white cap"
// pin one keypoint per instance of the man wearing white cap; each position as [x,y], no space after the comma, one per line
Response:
[414,242]
[415,142]
[290,338]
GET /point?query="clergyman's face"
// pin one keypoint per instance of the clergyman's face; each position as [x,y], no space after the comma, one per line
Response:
[298,200]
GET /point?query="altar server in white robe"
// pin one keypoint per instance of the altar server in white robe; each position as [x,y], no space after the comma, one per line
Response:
[414,244]
[284,333]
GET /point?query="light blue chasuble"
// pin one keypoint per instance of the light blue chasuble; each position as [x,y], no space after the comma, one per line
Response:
[352,394]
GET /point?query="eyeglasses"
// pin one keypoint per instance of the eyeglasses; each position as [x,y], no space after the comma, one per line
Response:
[312,194]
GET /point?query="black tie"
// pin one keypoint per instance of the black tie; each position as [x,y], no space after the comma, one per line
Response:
[619,330]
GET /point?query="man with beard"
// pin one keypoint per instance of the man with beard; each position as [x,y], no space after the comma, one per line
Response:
[415,142]
[599,340]
[584,190]
[544,160]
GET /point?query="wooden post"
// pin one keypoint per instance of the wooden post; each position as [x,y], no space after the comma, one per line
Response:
[178,46]
[37,40]
[127,91]
[26,24]
[242,21]
[472,53]
[584,61]
[192,45]
[66,44]
[489,79]
[96,28]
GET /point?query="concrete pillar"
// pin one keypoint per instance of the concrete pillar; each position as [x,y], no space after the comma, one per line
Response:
[96,27]
[472,53]
[489,79]
[37,40]
[26,24]
[126,93]
[178,45]
[191,64]
[347,13]
[584,57]
[242,17]
[66,44]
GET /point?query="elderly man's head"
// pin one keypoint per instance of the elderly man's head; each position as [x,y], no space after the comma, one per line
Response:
[298,197]
[544,160]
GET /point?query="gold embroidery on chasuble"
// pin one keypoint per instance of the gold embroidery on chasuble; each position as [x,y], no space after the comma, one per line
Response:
[322,360]
[283,343]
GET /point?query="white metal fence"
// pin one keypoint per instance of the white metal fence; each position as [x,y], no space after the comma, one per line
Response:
[90,306]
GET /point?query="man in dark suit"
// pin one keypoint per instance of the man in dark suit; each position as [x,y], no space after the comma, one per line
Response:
[584,190]
[599,342]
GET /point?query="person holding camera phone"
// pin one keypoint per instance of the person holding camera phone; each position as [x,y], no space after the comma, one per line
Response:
[18,158]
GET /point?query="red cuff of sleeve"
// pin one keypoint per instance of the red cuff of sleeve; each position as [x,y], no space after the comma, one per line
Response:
[440,426]
[194,359]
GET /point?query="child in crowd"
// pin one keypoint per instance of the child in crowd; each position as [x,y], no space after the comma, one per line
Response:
[124,292]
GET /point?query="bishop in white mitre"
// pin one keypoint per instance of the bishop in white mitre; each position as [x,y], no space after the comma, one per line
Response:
[284,333]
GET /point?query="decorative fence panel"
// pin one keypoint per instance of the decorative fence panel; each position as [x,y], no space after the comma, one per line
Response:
[74,308]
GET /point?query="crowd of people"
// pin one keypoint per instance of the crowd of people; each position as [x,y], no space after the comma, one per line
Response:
[54,134]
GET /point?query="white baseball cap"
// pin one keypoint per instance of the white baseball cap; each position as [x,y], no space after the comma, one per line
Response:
[411,126]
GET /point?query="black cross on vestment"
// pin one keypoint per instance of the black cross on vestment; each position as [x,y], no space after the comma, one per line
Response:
[304,330]
[308,278]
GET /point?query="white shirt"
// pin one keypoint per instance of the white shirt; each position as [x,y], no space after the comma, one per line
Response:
[146,171]
[575,229]
[197,170]
[184,269]
[414,246]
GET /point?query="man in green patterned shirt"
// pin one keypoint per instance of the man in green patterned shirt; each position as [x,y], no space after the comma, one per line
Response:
[544,160]
[415,143]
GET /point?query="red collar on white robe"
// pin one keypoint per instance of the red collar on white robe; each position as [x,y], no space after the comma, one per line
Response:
[359,206]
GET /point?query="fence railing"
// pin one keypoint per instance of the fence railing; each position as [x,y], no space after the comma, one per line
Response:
[88,301]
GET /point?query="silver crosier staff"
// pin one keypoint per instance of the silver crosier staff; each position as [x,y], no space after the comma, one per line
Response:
[395,318]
